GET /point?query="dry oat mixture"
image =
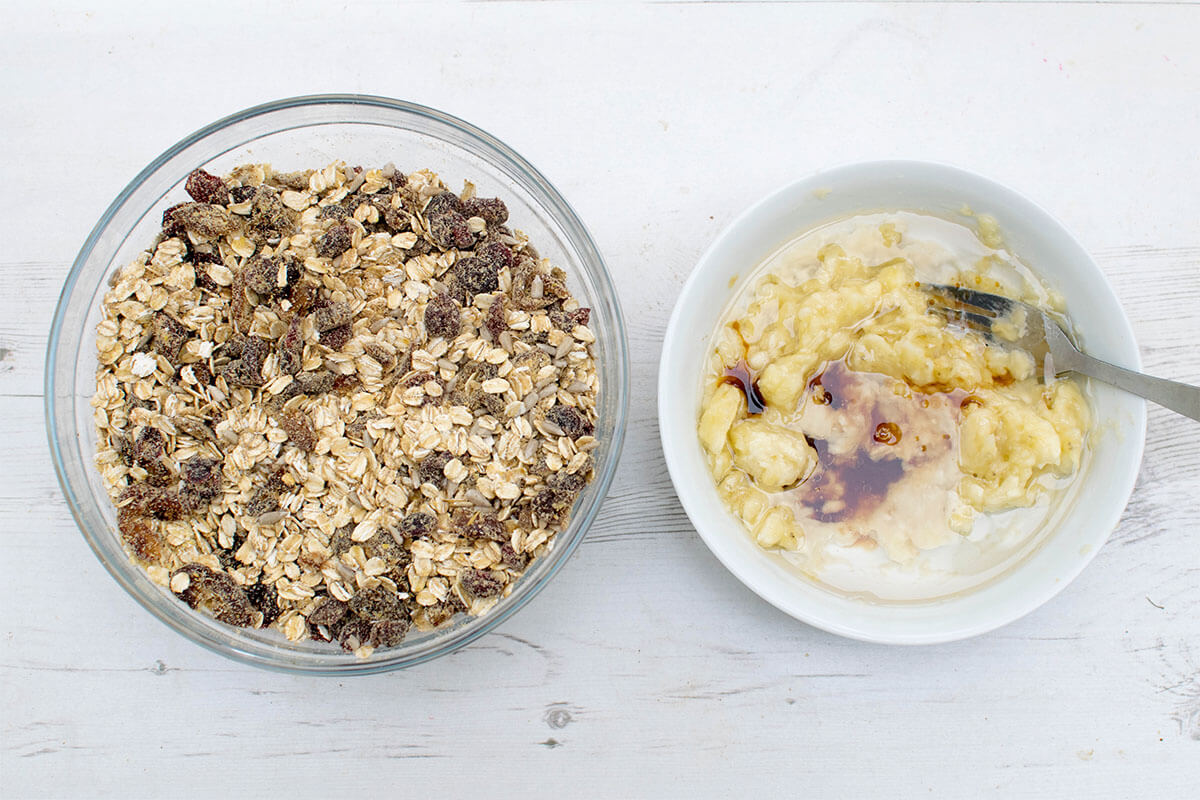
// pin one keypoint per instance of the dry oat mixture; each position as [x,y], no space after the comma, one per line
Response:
[341,402]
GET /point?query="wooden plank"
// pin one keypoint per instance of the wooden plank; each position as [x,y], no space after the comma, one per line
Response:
[644,668]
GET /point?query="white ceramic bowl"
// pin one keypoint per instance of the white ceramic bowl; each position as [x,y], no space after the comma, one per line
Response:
[1098,495]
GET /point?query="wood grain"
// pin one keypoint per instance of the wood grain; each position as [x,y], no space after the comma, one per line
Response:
[645,668]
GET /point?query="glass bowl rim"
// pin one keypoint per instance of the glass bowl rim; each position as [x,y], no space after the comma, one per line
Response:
[559,210]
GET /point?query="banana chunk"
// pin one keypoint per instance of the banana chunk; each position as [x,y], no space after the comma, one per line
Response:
[775,457]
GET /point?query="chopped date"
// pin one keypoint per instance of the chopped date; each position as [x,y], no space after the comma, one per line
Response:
[328,612]
[570,421]
[443,203]
[382,356]
[442,612]
[397,220]
[247,370]
[233,347]
[418,525]
[259,275]
[332,316]
[345,383]
[443,317]
[217,592]
[486,526]
[315,382]
[299,429]
[148,446]
[202,374]
[378,603]
[169,336]
[353,634]
[266,497]
[534,360]
[265,598]
[432,466]
[203,219]
[334,212]
[479,584]
[567,320]
[341,542]
[335,241]
[201,476]
[139,535]
[206,188]
[510,558]
[572,483]
[240,194]
[269,217]
[242,373]
[293,180]
[304,298]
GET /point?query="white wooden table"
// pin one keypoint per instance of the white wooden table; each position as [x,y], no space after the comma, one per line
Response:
[645,669]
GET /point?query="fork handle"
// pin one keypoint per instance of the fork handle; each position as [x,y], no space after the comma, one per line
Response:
[1179,397]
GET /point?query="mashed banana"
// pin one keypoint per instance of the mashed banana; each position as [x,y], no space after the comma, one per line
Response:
[883,427]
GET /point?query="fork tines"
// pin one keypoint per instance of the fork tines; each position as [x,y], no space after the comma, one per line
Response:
[965,308]
[991,304]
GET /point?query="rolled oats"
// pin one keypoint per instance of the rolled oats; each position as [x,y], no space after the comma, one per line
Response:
[341,403]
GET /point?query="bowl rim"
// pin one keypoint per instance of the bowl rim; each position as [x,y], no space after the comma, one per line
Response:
[563,214]
[712,531]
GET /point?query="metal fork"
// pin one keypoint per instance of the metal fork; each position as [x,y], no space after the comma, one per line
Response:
[1018,324]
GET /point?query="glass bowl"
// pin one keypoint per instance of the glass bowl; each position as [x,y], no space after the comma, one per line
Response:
[295,134]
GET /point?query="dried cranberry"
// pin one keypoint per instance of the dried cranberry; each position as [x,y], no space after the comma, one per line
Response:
[206,188]
[334,241]
[497,254]
[490,209]
[497,320]
[291,347]
[336,338]
[475,276]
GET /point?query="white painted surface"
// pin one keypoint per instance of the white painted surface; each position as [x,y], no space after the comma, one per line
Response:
[644,669]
